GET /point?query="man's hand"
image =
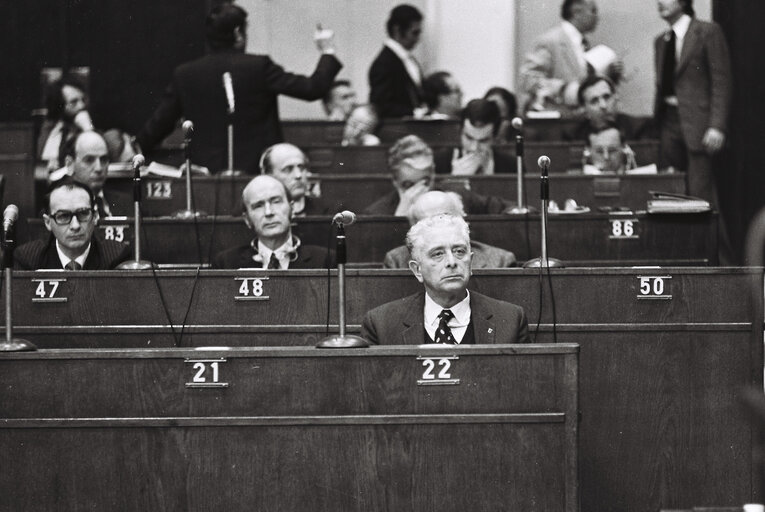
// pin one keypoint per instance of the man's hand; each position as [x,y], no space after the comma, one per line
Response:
[713,140]
[324,39]
[409,196]
[466,165]
[615,71]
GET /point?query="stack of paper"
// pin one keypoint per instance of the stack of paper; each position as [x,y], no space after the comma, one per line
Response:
[665,202]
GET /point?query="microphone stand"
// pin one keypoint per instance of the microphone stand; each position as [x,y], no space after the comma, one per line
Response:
[544,261]
[137,263]
[342,340]
[519,208]
[188,213]
[230,170]
[11,344]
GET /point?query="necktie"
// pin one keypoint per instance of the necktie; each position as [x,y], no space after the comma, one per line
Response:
[668,71]
[73,265]
[443,332]
[585,44]
[274,262]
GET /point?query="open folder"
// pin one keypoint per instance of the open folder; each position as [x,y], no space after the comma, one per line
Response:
[668,202]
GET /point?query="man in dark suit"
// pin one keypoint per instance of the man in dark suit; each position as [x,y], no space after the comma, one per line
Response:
[693,95]
[268,211]
[446,312]
[71,218]
[197,93]
[395,77]
[410,161]
[477,154]
[288,164]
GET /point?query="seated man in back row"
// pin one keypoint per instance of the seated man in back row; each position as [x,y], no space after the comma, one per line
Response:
[410,161]
[288,164]
[446,312]
[71,217]
[436,202]
[267,211]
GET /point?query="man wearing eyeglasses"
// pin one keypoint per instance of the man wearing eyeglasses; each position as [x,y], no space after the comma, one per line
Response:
[71,218]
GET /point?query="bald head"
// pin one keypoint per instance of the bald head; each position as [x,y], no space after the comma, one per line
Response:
[267,210]
[88,162]
[289,165]
[433,203]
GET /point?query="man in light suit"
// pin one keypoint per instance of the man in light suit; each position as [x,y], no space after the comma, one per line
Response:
[551,72]
[267,212]
[693,95]
[437,202]
[197,93]
[445,312]
[395,77]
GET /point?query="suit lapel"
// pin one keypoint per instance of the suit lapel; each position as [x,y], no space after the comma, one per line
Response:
[689,44]
[481,317]
[414,320]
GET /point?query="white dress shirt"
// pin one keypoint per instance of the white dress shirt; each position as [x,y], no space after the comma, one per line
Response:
[66,259]
[458,323]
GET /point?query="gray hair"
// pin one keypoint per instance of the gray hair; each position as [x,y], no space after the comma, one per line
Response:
[449,203]
[410,146]
[418,232]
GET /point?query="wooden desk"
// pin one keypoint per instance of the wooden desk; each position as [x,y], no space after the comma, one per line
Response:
[581,239]
[665,354]
[308,133]
[293,429]
[162,197]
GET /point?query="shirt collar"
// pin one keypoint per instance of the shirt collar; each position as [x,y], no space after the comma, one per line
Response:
[401,52]
[66,259]
[681,26]
[461,311]
[283,253]
[573,33]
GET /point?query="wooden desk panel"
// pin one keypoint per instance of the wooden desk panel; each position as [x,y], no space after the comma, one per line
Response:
[584,239]
[295,429]
[162,197]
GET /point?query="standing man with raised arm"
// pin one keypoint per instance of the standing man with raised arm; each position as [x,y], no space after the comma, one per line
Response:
[395,77]
[197,93]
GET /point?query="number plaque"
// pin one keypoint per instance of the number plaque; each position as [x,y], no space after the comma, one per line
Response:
[206,373]
[437,371]
[251,288]
[48,290]
[654,288]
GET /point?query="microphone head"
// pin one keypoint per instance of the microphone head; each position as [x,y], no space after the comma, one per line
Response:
[517,123]
[345,217]
[138,161]
[543,162]
[188,127]
[11,213]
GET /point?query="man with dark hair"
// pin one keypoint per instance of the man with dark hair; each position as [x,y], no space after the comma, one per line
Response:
[481,122]
[410,161]
[67,115]
[442,95]
[289,164]
[197,93]
[395,77]
[71,218]
[445,311]
[339,101]
[267,211]
[597,97]
[608,151]
[551,72]
[693,95]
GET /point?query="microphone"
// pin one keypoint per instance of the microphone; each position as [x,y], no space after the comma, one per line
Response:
[188,129]
[345,217]
[228,85]
[138,162]
[544,164]
[10,216]
[517,123]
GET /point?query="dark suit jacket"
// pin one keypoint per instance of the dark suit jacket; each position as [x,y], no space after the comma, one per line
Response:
[402,321]
[317,206]
[633,128]
[37,254]
[474,204]
[702,81]
[504,160]
[196,93]
[309,256]
[484,256]
[391,89]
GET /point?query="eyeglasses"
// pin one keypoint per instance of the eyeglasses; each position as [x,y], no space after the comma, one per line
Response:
[64,217]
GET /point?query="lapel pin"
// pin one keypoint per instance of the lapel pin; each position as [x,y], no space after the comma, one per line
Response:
[490,330]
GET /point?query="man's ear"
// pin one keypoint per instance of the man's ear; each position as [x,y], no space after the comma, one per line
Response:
[414,266]
[246,220]
[96,217]
[47,220]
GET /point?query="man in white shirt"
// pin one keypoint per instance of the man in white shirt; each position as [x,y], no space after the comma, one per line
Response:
[445,312]
[395,77]
[267,211]
[551,72]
